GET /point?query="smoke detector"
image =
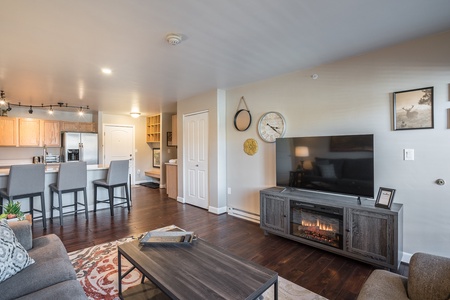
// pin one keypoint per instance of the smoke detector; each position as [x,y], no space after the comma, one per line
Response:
[173,38]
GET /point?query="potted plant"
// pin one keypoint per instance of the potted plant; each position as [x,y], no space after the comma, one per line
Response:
[12,211]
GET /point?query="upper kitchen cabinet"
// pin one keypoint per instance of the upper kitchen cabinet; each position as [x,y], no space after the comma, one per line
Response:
[78,126]
[29,132]
[8,131]
[154,129]
[51,133]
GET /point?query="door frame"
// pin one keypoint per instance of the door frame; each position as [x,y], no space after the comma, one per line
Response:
[133,142]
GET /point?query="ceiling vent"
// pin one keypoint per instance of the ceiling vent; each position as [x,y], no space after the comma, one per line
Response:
[173,38]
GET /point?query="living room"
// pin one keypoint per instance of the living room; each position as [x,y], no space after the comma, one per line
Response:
[348,96]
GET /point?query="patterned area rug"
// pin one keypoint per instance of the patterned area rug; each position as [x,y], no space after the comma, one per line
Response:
[96,269]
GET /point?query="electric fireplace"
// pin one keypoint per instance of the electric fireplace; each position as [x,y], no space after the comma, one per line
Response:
[318,223]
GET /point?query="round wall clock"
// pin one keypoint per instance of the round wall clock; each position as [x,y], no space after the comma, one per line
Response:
[271,126]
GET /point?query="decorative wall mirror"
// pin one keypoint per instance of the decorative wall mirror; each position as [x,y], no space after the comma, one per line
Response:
[242,118]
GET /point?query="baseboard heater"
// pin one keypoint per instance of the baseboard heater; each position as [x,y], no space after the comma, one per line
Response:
[243,214]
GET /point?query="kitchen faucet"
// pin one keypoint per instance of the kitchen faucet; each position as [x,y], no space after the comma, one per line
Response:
[44,150]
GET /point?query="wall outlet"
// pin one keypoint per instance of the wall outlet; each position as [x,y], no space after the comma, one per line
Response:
[229,191]
[138,172]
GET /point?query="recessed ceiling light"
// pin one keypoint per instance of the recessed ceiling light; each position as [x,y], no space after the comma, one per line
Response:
[106,71]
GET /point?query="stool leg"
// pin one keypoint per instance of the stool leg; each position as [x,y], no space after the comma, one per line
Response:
[51,205]
[44,218]
[76,202]
[111,199]
[95,198]
[127,196]
[60,208]
[85,204]
[31,208]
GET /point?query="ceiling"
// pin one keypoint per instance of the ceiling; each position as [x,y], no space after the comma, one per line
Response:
[53,50]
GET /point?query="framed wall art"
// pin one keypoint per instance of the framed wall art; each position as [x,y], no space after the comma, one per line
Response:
[385,198]
[413,109]
[156,157]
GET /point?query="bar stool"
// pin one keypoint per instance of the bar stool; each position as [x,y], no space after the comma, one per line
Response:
[117,177]
[26,181]
[72,178]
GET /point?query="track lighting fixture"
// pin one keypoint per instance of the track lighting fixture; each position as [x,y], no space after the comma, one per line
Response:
[4,102]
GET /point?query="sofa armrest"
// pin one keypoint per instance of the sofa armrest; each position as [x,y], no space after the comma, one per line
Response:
[384,285]
[22,231]
[429,277]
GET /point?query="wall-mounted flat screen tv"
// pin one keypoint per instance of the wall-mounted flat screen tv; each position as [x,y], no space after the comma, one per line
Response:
[342,164]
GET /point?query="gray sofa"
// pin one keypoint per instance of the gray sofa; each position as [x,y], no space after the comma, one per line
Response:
[52,276]
[429,279]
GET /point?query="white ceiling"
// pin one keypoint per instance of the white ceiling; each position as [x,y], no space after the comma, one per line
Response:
[52,50]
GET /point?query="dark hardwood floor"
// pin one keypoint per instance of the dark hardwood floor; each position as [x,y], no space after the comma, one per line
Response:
[329,275]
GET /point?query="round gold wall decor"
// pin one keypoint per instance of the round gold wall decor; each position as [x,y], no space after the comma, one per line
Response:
[250,146]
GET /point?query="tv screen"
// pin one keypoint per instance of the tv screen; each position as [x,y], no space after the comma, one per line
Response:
[336,164]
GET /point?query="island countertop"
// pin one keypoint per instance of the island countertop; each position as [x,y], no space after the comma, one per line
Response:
[54,168]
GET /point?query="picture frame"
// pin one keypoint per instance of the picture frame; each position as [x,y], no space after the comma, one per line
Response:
[169,139]
[414,109]
[385,198]
[156,157]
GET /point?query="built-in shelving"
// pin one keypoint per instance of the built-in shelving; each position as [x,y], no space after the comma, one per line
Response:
[154,129]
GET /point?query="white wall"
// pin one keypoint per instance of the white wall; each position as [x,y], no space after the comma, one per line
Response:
[355,96]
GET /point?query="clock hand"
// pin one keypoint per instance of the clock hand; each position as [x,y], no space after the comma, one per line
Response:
[274,128]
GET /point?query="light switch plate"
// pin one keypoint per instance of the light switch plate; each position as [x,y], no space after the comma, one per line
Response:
[408,154]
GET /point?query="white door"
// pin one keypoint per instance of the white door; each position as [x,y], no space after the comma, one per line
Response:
[118,144]
[195,136]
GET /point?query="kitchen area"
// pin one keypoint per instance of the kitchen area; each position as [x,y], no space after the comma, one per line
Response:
[50,142]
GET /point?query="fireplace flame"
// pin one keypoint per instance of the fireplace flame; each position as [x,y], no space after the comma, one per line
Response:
[318,224]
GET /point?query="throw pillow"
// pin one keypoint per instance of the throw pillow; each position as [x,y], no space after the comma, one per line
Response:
[13,257]
[327,171]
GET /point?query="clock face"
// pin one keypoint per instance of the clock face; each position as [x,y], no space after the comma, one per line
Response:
[271,126]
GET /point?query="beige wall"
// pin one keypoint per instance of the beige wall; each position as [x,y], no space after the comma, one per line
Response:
[214,103]
[355,96]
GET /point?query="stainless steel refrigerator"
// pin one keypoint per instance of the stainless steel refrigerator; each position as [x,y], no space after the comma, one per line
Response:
[80,147]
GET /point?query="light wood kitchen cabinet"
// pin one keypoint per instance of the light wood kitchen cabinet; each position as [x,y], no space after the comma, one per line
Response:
[172,181]
[51,133]
[8,131]
[78,126]
[29,132]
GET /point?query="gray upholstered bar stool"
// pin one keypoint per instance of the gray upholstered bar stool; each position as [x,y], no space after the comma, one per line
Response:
[117,177]
[72,178]
[26,181]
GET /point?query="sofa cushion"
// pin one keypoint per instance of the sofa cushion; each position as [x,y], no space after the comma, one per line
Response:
[22,230]
[41,274]
[429,277]
[13,256]
[383,284]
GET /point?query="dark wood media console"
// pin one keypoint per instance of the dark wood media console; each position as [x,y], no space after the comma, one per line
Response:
[336,224]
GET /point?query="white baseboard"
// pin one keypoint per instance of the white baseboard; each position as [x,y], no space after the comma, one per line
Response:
[181,199]
[217,210]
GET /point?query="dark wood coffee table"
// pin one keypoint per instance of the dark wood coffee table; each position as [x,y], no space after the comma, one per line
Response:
[197,271]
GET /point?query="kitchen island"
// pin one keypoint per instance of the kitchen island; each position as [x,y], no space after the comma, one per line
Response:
[94,172]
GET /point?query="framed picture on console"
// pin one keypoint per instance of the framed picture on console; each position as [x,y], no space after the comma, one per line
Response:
[413,109]
[385,198]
